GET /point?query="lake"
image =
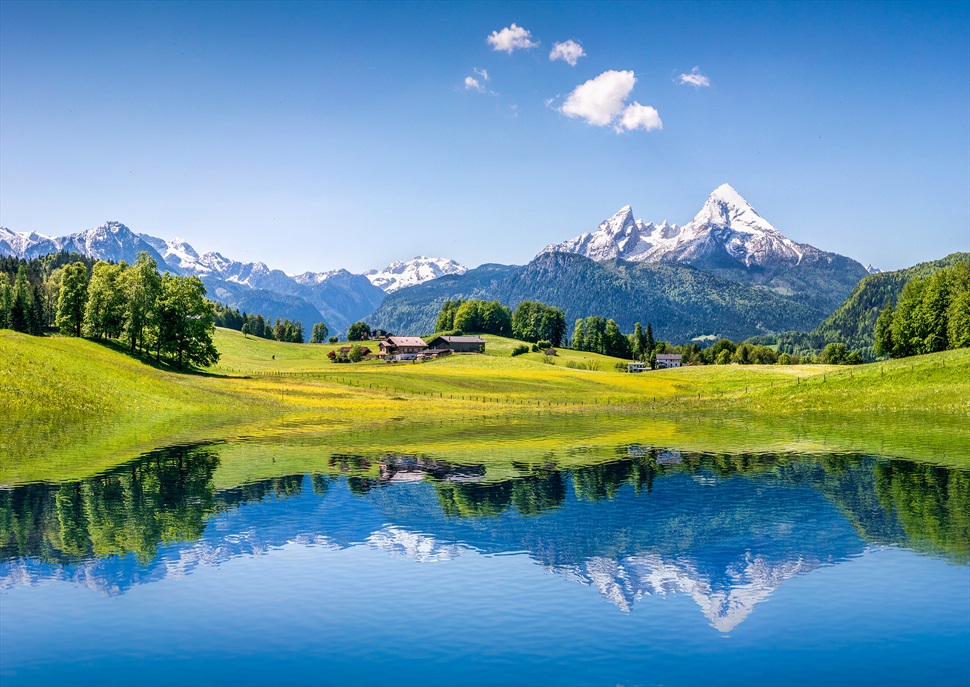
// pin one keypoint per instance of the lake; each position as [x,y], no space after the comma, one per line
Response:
[637,565]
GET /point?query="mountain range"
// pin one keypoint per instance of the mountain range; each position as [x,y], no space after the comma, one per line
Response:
[727,272]
[730,239]
[337,297]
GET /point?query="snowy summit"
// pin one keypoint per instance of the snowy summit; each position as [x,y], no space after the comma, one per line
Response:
[727,229]
[399,274]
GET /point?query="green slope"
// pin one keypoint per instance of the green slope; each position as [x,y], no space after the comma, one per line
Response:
[854,322]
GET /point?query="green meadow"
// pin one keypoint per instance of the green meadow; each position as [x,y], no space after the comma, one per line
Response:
[71,407]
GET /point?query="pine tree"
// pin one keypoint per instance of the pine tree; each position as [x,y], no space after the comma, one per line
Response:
[6,301]
[36,321]
[20,302]
[650,343]
[883,343]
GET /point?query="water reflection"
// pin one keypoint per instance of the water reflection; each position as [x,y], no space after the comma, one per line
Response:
[726,530]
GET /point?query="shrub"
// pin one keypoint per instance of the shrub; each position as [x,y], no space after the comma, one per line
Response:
[519,350]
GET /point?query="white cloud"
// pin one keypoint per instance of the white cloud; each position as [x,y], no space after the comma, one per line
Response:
[603,101]
[511,38]
[482,73]
[472,84]
[599,101]
[568,51]
[695,78]
[637,116]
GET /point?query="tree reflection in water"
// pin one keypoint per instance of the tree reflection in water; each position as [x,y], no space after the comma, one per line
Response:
[168,496]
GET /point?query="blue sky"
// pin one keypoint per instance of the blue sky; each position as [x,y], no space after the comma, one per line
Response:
[315,136]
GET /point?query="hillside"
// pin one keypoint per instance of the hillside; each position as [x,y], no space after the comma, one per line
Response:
[73,407]
[413,310]
[681,302]
[854,321]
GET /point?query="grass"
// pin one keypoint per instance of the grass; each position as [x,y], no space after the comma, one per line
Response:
[75,407]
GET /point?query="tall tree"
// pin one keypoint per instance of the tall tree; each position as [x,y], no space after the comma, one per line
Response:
[6,301]
[20,302]
[185,322]
[358,331]
[320,333]
[72,299]
[883,343]
[142,285]
[104,315]
[36,318]
[650,343]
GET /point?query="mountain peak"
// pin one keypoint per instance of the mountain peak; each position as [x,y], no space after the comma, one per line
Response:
[422,268]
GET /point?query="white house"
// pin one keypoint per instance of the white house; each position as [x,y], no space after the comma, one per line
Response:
[665,360]
[636,366]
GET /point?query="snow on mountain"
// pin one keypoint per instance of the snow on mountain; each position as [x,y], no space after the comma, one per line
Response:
[726,227]
[872,270]
[399,274]
[626,580]
[12,243]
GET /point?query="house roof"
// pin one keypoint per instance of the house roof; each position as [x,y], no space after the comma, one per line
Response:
[669,356]
[461,339]
[399,341]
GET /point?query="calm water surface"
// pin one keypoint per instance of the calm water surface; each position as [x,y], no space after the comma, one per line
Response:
[653,567]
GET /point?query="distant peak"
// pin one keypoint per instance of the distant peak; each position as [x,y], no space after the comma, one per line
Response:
[725,193]
[626,210]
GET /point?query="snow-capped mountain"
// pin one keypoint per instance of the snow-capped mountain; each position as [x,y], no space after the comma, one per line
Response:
[110,241]
[336,297]
[729,238]
[399,274]
[727,226]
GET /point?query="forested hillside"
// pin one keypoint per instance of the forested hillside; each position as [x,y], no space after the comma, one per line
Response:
[854,322]
[681,302]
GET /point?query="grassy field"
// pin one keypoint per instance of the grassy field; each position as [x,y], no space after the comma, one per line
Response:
[69,406]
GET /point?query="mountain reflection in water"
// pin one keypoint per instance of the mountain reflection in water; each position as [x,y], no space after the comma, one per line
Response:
[726,530]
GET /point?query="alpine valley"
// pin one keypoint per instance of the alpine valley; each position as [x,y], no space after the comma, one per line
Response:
[727,272]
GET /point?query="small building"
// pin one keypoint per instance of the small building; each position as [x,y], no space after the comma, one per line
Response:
[346,350]
[637,366]
[549,351]
[459,344]
[402,347]
[432,353]
[665,360]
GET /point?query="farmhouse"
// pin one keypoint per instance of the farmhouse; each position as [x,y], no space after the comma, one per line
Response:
[637,366]
[402,347]
[346,350]
[665,360]
[459,344]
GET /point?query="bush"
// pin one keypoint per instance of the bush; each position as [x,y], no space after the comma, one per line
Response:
[543,345]
[519,350]
[333,339]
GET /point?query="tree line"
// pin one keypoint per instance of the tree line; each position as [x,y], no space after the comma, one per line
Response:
[531,321]
[933,314]
[164,315]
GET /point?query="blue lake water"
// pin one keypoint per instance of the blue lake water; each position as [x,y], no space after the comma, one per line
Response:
[655,568]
